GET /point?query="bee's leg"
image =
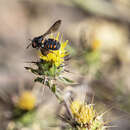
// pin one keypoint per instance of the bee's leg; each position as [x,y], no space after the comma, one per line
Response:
[44,51]
[47,51]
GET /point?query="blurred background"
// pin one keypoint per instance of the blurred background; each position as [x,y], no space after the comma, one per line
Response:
[99,42]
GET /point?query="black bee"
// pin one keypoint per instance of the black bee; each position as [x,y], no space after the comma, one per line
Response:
[45,45]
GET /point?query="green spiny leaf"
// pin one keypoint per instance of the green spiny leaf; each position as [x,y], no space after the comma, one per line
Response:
[48,83]
[53,70]
[38,79]
[66,80]
[35,71]
[53,88]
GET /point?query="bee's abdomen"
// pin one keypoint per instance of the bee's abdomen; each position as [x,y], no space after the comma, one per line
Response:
[51,44]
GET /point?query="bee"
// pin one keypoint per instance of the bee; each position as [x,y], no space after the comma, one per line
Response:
[46,44]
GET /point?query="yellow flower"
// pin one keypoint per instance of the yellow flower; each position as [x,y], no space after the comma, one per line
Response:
[57,56]
[75,106]
[96,44]
[83,113]
[26,101]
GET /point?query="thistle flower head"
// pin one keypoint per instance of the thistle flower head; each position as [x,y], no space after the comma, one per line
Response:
[86,116]
[26,101]
[83,113]
[82,116]
[57,56]
[96,44]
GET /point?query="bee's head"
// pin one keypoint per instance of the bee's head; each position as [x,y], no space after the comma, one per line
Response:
[36,42]
[33,43]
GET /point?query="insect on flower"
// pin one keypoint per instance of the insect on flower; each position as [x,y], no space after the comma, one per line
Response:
[44,44]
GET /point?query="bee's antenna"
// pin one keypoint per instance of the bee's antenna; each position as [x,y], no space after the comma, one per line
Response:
[29,44]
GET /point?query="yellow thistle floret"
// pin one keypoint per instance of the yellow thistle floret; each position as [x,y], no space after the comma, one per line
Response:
[75,106]
[83,113]
[57,56]
[26,101]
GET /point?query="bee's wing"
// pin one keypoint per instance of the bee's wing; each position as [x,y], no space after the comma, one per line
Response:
[53,28]
[29,44]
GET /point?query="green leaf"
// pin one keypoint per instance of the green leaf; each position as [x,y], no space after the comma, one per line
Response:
[66,80]
[46,73]
[48,84]
[53,88]
[53,70]
[35,71]
[38,79]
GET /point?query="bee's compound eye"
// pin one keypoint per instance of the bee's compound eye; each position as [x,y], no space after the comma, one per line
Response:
[34,45]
